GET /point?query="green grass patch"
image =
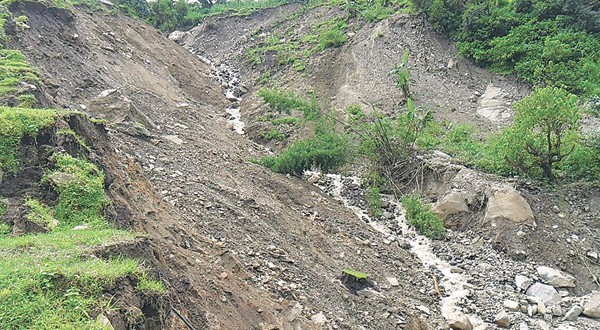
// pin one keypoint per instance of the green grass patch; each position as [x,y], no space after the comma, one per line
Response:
[75,136]
[47,281]
[421,217]
[3,206]
[325,150]
[40,214]
[146,284]
[15,123]
[274,134]
[81,196]
[285,121]
[374,202]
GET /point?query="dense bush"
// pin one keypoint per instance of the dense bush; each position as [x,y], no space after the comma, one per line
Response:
[326,150]
[421,217]
[544,42]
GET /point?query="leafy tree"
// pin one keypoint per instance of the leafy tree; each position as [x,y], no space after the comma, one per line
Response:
[544,132]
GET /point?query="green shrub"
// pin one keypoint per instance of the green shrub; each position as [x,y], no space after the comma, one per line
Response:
[327,150]
[285,121]
[274,134]
[5,229]
[40,214]
[374,202]
[422,218]
[545,131]
[282,101]
[335,37]
[81,197]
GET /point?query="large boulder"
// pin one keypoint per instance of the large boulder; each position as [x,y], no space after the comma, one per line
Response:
[494,104]
[507,205]
[452,203]
[555,277]
[545,293]
[591,308]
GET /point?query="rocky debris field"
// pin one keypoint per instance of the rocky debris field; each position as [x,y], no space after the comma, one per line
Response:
[498,291]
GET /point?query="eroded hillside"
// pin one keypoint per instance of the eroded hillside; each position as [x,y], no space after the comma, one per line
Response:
[239,247]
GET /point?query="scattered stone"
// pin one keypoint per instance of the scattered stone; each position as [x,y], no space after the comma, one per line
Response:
[542,325]
[532,310]
[459,321]
[223,275]
[103,320]
[555,209]
[424,309]
[557,310]
[523,326]
[555,277]
[294,312]
[511,305]
[502,319]
[522,282]
[61,179]
[173,139]
[393,281]
[319,319]
[80,227]
[573,313]
[590,254]
[591,308]
[545,293]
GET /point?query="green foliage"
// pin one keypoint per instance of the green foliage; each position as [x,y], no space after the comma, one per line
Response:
[355,273]
[402,72]
[543,42]
[40,214]
[334,37]
[285,121]
[14,70]
[15,123]
[81,198]
[282,101]
[421,217]
[5,229]
[274,134]
[374,202]
[326,150]
[545,131]
[3,206]
[52,280]
[146,284]
[168,16]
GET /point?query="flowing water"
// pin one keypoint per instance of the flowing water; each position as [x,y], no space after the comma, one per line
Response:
[455,285]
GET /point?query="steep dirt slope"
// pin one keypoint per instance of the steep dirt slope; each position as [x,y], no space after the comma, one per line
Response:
[239,247]
[359,72]
[565,233]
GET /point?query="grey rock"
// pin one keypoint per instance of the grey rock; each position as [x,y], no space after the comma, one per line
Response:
[319,319]
[459,321]
[507,205]
[173,139]
[103,320]
[294,312]
[555,277]
[61,179]
[544,293]
[393,281]
[511,305]
[573,313]
[591,308]
[502,319]
[522,282]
